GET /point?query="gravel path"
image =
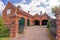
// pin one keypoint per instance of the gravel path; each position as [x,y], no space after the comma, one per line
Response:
[34,33]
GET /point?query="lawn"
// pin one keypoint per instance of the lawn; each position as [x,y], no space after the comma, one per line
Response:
[4,38]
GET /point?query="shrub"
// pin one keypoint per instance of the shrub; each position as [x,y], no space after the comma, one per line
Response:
[4,31]
[52,26]
[48,24]
[53,23]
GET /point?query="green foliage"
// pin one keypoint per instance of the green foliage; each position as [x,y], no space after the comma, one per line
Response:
[48,24]
[56,8]
[53,22]
[1,21]
[4,31]
[4,38]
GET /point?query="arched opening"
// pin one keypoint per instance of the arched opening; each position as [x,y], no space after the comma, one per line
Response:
[21,24]
[28,22]
[44,22]
[37,22]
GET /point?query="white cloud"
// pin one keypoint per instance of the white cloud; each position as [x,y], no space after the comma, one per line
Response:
[1,6]
[32,7]
[53,3]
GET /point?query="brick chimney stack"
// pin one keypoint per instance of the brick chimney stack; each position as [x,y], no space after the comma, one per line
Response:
[28,12]
[40,12]
[19,7]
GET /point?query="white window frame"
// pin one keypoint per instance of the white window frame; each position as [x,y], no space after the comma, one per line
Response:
[8,11]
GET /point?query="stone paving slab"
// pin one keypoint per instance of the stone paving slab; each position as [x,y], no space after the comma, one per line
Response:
[34,33]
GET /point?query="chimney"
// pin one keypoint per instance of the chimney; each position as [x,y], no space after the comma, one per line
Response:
[40,12]
[28,12]
[19,7]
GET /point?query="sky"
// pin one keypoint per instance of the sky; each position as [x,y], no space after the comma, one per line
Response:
[34,6]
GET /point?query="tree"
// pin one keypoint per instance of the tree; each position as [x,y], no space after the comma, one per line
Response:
[55,9]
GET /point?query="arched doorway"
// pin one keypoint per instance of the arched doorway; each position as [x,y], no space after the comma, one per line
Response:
[44,22]
[36,22]
[21,24]
[28,22]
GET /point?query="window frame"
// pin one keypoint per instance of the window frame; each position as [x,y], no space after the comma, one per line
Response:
[8,11]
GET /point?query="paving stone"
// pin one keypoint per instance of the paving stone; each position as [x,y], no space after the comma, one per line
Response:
[34,33]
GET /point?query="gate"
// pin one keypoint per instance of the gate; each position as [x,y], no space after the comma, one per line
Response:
[28,22]
[21,25]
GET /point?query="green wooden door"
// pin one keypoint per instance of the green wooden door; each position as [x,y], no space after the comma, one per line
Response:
[28,22]
[21,25]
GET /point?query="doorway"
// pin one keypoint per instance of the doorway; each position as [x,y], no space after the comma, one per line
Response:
[44,22]
[28,22]
[37,22]
[21,25]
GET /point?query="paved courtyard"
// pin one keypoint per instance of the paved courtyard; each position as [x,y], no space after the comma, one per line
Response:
[33,33]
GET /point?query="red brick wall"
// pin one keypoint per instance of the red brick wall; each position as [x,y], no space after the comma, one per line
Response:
[13,21]
[57,14]
[41,18]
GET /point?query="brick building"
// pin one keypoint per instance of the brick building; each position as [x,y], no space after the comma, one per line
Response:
[18,19]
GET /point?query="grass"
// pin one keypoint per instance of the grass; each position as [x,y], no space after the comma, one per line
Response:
[49,35]
[4,38]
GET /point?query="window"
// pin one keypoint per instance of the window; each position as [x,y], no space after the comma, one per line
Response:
[8,11]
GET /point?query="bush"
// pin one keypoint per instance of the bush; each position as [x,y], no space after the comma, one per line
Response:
[52,26]
[48,24]
[4,31]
